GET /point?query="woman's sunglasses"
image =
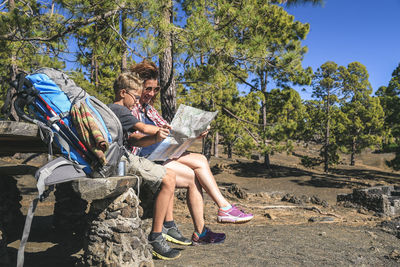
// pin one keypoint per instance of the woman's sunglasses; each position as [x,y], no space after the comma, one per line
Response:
[155,89]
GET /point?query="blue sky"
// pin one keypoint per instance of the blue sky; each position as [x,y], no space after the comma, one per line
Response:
[345,31]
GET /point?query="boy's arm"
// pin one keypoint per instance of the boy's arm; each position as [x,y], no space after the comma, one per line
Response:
[141,140]
[148,128]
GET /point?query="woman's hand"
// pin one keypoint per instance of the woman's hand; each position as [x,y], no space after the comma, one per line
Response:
[204,134]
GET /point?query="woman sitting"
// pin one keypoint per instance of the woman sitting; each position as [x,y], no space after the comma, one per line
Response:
[192,169]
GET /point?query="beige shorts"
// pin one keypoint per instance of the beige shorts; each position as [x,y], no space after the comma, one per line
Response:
[151,172]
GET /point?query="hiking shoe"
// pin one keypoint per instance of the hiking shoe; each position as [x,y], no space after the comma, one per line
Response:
[173,235]
[233,215]
[209,238]
[162,250]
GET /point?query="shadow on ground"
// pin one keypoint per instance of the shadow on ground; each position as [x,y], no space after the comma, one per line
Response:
[336,178]
[54,248]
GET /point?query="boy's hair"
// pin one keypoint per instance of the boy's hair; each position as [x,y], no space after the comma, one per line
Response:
[146,70]
[129,81]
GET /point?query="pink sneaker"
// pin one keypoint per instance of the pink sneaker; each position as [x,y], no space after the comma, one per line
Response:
[233,215]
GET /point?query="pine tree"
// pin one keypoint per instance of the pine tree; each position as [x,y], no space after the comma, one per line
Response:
[326,85]
[364,113]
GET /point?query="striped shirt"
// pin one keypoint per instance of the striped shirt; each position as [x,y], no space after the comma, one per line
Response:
[151,113]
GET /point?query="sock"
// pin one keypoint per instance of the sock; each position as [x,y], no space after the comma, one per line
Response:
[154,235]
[169,224]
[226,208]
[203,233]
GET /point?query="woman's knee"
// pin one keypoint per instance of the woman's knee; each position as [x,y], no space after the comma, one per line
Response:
[196,160]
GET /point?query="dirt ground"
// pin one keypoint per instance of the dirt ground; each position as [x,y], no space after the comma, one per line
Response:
[312,233]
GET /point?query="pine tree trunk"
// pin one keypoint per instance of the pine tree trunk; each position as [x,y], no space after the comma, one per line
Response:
[216,142]
[353,151]
[207,145]
[327,133]
[267,162]
[167,80]
[124,50]
[229,152]
[13,70]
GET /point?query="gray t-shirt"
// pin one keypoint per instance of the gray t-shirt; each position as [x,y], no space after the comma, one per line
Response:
[125,116]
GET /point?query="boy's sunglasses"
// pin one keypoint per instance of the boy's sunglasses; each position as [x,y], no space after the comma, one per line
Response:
[135,97]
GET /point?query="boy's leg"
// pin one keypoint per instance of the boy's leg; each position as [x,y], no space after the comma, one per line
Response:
[163,200]
[156,176]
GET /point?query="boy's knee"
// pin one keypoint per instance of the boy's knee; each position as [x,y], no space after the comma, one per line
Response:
[169,179]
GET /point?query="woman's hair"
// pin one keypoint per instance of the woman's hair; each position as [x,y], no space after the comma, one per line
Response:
[146,70]
[129,81]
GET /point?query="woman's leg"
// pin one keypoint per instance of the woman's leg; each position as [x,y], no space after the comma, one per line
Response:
[185,178]
[199,164]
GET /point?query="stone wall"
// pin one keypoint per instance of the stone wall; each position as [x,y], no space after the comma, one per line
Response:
[382,199]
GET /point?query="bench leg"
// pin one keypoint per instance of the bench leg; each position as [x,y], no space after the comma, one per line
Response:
[115,236]
[4,260]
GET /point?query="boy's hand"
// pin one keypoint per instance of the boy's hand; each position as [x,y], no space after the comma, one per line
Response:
[166,126]
[162,134]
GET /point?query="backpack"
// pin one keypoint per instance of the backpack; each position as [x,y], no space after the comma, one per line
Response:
[49,96]
[87,132]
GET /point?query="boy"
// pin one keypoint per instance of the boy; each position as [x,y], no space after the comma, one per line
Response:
[127,89]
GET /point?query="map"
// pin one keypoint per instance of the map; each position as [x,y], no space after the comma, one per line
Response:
[187,125]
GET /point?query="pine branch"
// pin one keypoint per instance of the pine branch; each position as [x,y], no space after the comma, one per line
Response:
[73,26]
[240,119]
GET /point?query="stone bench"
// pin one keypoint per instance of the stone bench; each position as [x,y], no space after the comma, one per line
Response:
[113,233]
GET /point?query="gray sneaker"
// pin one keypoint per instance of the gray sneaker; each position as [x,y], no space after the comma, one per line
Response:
[173,235]
[162,250]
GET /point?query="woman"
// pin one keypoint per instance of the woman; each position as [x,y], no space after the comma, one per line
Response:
[192,169]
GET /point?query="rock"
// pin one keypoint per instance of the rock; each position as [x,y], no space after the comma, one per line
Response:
[270,216]
[316,200]
[181,194]
[391,226]
[237,191]
[321,219]
[394,255]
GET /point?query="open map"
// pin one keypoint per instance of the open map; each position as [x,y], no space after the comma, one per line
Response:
[187,125]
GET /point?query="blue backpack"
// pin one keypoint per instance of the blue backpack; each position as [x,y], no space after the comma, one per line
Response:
[50,95]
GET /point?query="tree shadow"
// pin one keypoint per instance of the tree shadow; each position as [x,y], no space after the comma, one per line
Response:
[331,181]
[366,174]
[258,170]
[60,251]
[336,178]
